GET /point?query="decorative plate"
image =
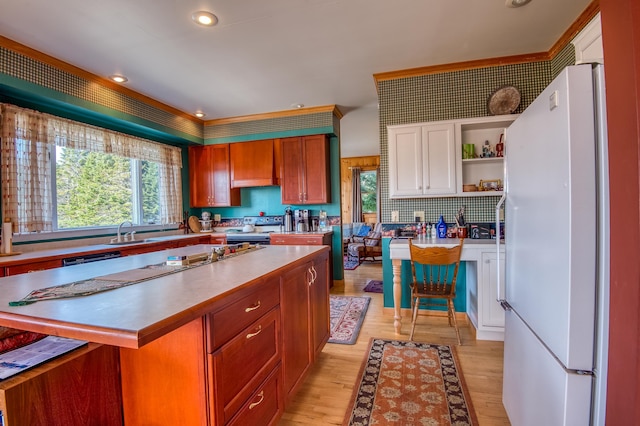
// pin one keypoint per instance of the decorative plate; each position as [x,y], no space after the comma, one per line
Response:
[504,100]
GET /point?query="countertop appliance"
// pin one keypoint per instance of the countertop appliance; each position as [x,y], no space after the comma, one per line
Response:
[556,287]
[261,227]
[301,220]
[288,220]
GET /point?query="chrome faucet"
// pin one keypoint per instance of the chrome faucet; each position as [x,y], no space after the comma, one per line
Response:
[126,235]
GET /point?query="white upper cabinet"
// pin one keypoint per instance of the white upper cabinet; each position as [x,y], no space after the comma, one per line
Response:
[588,43]
[425,159]
[422,160]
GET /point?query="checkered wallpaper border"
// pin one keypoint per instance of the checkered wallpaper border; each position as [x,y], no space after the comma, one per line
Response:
[22,67]
[270,125]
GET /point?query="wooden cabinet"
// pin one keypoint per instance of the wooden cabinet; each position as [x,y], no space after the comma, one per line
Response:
[79,388]
[305,326]
[296,354]
[304,170]
[209,177]
[33,267]
[319,304]
[278,239]
[252,164]
[421,160]
[240,363]
[218,239]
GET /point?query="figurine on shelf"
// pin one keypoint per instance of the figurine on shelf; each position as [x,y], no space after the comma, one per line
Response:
[487,152]
[500,147]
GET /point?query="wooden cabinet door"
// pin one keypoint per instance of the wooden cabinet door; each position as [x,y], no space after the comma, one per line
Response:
[319,303]
[222,194]
[316,169]
[294,305]
[210,183]
[200,178]
[252,164]
[305,170]
[291,171]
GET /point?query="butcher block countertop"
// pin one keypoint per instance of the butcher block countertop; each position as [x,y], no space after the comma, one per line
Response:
[137,314]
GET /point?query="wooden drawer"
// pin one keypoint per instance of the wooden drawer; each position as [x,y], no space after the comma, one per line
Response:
[243,363]
[33,267]
[227,322]
[300,240]
[265,405]
[218,239]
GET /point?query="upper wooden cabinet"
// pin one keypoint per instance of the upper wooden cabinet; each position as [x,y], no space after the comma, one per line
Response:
[209,178]
[304,170]
[252,164]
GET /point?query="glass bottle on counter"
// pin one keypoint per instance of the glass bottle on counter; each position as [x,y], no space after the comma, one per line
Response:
[442,228]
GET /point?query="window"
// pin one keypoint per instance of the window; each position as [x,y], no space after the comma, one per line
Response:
[368,189]
[58,174]
[95,189]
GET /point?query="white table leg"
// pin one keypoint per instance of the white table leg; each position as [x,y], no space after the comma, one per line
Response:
[397,295]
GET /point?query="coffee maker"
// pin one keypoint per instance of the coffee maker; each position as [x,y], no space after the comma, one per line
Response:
[301,220]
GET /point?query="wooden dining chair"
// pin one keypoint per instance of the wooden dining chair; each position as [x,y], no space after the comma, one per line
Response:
[435,284]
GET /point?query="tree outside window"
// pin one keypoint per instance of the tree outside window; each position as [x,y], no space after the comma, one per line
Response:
[368,188]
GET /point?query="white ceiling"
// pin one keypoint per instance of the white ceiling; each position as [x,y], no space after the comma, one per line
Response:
[265,55]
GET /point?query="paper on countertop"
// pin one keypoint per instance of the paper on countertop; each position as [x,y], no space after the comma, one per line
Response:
[28,356]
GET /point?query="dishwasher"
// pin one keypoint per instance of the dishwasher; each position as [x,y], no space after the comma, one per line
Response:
[88,258]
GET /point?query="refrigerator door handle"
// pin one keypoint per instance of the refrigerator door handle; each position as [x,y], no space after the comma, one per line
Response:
[505,305]
[499,295]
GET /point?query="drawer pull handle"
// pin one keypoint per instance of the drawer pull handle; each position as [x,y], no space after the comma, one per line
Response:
[254,404]
[253,308]
[250,335]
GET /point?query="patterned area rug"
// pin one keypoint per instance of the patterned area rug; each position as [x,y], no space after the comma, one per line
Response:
[350,264]
[373,286]
[410,383]
[347,314]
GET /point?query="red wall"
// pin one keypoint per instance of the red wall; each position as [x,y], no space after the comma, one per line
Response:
[621,41]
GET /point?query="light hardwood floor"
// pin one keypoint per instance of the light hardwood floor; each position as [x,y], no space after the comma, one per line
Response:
[325,395]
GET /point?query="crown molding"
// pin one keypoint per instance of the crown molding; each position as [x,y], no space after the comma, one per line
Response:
[277,114]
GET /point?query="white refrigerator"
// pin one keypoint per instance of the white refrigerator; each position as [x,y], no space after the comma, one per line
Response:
[556,285]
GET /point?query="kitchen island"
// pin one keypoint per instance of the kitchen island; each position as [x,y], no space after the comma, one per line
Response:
[484,275]
[223,343]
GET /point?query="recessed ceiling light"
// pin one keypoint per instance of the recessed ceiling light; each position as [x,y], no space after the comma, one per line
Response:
[517,3]
[204,18]
[297,105]
[200,114]
[118,78]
